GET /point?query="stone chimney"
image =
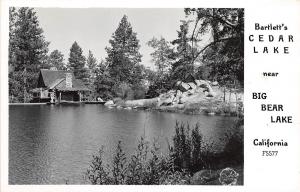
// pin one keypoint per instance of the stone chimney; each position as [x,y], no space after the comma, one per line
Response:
[69,80]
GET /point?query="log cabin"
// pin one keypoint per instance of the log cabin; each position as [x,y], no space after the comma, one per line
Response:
[58,86]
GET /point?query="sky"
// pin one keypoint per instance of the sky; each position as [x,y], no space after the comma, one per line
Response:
[92,28]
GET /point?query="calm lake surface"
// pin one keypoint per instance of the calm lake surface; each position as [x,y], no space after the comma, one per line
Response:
[52,144]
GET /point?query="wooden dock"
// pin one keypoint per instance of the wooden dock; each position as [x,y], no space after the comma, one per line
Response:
[27,103]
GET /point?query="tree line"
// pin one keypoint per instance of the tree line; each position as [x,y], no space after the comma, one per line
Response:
[121,74]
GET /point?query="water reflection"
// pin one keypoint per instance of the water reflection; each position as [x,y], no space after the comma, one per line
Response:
[52,144]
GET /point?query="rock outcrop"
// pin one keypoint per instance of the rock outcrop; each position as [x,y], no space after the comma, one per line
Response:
[199,96]
[109,102]
[187,92]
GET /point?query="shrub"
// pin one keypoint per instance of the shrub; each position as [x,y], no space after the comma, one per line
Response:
[138,163]
[187,155]
[159,85]
[154,167]
[182,146]
[118,101]
[139,91]
[123,91]
[145,166]
[98,173]
[119,165]
[233,151]
[191,153]
[177,178]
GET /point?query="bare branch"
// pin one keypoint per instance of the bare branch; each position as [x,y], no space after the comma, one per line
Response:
[210,44]
[196,24]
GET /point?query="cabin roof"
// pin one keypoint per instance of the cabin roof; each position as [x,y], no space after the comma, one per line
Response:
[57,79]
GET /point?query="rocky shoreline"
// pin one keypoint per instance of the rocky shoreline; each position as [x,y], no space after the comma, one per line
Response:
[198,97]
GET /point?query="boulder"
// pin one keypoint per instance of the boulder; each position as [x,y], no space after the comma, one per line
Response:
[199,90]
[109,102]
[210,91]
[99,99]
[191,91]
[215,83]
[169,98]
[183,86]
[166,99]
[172,92]
[197,82]
[200,83]
[192,85]
[204,85]
[209,94]
[178,93]
[183,98]
[176,99]
[178,83]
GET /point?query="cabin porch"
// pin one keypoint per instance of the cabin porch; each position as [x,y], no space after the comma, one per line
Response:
[67,96]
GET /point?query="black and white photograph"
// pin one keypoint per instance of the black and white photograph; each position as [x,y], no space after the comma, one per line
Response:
[126,96]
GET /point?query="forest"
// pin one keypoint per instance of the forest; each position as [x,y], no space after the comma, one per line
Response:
[207,56]
[122,74]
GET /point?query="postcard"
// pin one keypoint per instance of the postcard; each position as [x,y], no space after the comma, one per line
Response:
[150,96]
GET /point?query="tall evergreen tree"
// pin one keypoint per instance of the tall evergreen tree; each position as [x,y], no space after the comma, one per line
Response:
[103,83]
[77,62]
[92,65]
[28,41]
[27,52]
[123,55]
[183,66]
[91,61]
[56,59]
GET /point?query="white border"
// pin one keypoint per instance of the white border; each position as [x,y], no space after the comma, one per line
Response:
[127,4]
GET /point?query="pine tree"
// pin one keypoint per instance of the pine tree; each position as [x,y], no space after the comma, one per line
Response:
[30,45]
[183,66]
[123,55]
[77,63]
[56,59]
[92,65]
[27,52]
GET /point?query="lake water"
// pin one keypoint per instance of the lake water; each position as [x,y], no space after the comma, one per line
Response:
[52,144]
